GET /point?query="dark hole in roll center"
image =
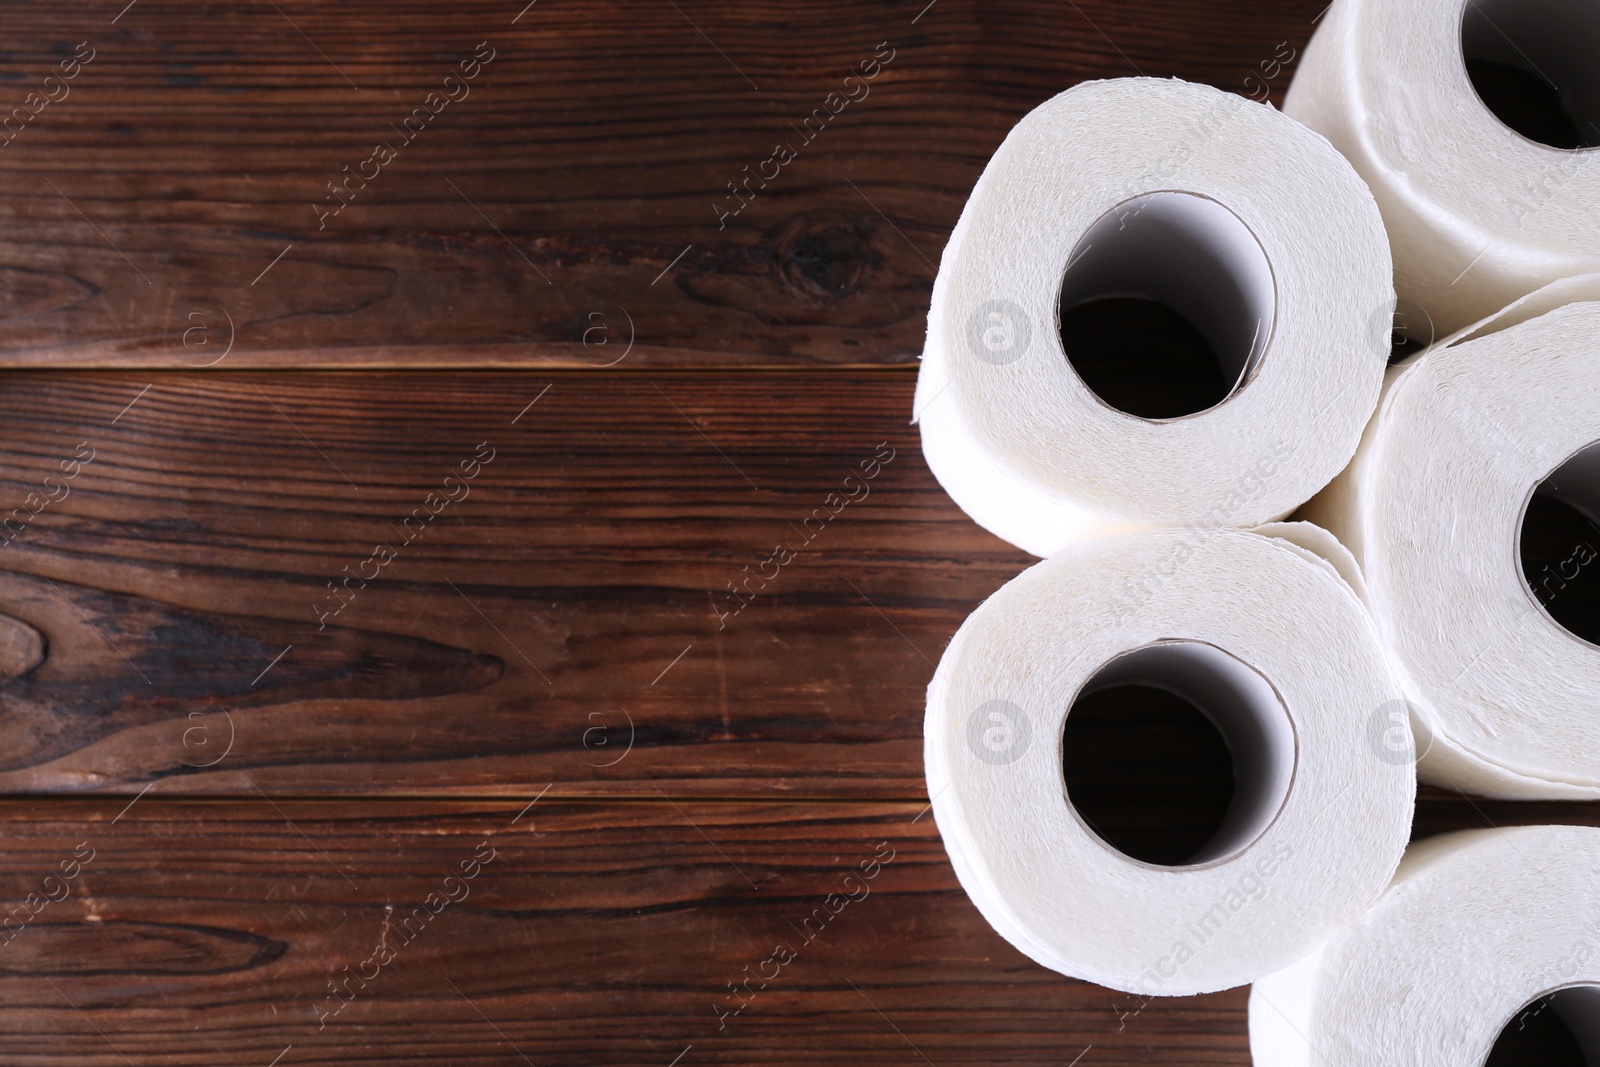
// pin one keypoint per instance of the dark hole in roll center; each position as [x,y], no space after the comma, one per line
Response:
[1142,357]
[1557,1030]
[1559,550]
[1532,63]
[1148,771]
[1167,305]
[1525,102]
[1560,545]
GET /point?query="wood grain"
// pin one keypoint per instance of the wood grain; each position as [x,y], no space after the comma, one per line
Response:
[160,635]
[580,585]
[568,621]
[599,932]
[533,221]
[549,665]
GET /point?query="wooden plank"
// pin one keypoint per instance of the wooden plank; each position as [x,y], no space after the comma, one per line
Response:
[598,933]
[180,589]
[604,608]
[172,202]
[562,631]
[601,932]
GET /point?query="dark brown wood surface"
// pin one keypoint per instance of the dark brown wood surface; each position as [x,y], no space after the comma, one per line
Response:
[604,931]
[580,585]
[594,150]
[528,645]
[268,800]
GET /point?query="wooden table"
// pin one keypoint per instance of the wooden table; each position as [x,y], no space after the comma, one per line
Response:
[523,789]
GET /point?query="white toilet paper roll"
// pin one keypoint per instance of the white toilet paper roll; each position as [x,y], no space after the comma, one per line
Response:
[1503,696]
[1269,642]
[1478,213]
[1244,222]
[1573,290]
[1477,927]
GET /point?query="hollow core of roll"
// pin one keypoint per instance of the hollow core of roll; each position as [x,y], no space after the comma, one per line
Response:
[1167,305]
[1559,1029]
[1127,751]
[1532,63]
[1559,544]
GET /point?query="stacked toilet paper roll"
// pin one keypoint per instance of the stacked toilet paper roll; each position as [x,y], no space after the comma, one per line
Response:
[1478,929]
[1478,212]
[1338,661]
[1287,667]
[1246,223]
[1503,695]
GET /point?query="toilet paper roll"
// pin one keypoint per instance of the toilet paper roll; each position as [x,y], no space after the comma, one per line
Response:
[1503,696]
[1573,290]
[1244,222]
[1288,668]
[1477,929]
[1478,213]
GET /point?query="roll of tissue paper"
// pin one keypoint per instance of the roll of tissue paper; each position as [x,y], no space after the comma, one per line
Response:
[1245,223]
[1480,211]
[1503,696]
[1477,930]
[1284,663]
